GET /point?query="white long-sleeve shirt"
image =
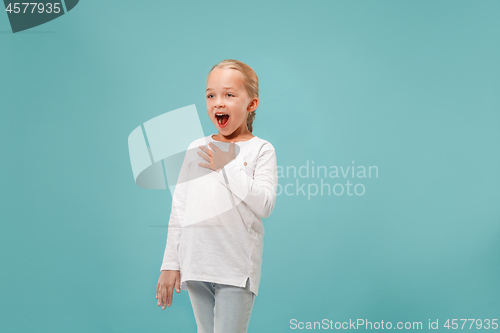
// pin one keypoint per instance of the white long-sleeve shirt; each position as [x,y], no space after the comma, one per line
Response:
[215,231]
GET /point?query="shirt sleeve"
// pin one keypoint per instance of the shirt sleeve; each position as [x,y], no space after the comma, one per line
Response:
[259,192]
[170,256]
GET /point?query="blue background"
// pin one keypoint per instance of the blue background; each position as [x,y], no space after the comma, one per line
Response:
[411,87]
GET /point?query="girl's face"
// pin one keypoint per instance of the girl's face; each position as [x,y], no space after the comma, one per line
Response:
[226,94]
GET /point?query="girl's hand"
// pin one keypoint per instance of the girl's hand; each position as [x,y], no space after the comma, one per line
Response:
[168,279]
[216,158]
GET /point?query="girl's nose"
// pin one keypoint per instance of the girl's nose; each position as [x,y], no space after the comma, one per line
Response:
[219,103]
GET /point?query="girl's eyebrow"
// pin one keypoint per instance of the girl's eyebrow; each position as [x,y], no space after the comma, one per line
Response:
[227,88]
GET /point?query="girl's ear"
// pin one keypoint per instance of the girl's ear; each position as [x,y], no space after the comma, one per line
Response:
[253,104]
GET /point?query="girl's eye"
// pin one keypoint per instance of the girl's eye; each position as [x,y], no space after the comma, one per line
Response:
[211,95]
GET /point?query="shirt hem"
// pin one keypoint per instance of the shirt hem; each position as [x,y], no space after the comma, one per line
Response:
[232,282]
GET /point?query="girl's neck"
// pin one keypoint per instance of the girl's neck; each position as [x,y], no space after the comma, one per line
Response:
[234,138]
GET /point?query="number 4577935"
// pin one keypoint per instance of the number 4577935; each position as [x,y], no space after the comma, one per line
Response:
[48,8]
[486,323]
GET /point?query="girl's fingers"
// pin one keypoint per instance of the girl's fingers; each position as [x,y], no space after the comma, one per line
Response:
[214,146]
[204,156]
[178,285]
[205,149]
[169,296]
[205,165]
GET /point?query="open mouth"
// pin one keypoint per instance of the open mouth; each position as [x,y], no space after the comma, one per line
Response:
[222,119]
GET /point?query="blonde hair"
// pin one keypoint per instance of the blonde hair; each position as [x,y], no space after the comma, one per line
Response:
[250,81]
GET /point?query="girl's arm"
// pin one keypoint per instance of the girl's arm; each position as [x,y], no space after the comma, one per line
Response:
[259,192]
[170,257]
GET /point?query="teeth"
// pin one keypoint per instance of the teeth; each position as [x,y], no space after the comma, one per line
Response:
[219,120]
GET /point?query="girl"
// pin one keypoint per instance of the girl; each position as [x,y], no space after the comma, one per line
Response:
[215,233]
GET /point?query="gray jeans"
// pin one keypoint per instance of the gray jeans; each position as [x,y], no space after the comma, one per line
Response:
[221,308]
